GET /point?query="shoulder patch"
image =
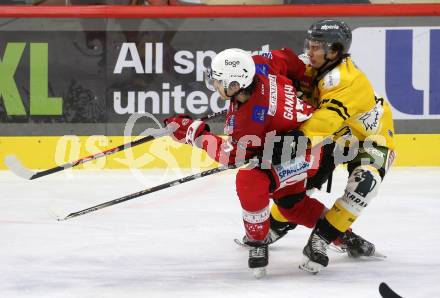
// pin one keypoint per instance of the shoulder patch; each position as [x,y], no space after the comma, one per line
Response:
[331,79]
[262,69]
[259,114]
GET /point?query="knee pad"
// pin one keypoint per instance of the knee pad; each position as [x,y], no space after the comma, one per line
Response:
[362,186]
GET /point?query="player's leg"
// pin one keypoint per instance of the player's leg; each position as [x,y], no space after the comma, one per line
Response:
[292,205]
[366,173]
[298,207]
[361,188]
[279,225]
[253,191]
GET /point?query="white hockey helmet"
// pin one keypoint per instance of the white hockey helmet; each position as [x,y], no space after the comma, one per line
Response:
[231,65]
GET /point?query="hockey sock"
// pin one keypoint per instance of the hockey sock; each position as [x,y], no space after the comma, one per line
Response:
[326,230]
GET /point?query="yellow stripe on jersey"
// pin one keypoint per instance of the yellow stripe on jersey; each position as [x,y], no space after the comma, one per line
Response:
[276,214]
[339,217]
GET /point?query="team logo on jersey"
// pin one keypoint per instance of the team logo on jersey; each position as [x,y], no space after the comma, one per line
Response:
[262,69]
[332,79]
[259,114]
[370,119]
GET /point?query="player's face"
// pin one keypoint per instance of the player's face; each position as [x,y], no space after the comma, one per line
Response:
[316,52]
[226,94]
[218,85]
[215,85]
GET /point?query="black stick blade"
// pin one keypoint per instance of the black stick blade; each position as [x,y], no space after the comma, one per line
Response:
[386,292]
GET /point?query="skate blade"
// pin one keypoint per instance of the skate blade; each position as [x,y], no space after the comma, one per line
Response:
[378,255]
[375,255]
[240,243]
[310,266]
[259,272]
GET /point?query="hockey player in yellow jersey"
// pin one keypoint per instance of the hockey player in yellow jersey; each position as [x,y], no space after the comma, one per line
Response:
[348,111]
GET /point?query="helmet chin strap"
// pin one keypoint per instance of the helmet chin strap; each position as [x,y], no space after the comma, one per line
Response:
[226,92]
[329,64]
[233,96]
[326,63]
[327,67]
[241,94]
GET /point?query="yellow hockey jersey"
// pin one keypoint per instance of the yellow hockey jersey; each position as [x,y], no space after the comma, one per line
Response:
[346,101]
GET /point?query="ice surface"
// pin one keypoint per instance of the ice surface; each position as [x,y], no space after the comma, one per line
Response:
[179,242]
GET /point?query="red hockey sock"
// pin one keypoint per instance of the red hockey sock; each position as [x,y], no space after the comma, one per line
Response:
[256,231]
[253,191]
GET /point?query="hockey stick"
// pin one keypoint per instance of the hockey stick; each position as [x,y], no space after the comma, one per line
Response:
[386,292]
[149,190]
[18,169]
[329,182]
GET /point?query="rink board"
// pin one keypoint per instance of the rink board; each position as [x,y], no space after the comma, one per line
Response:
[74,75]
[45,152]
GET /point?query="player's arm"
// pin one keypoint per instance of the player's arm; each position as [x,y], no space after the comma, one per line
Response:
[226,151]
[325,121]
[197,133]
[293,67]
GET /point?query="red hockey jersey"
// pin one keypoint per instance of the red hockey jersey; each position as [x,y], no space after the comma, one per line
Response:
[272,108]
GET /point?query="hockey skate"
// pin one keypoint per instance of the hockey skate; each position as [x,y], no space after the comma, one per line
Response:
[258,258]
[315,253]
[356,246]
[279,229]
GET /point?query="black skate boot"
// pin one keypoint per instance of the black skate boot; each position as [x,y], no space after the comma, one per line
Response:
[356,246]
[258,257]
[278,229]
[315,253]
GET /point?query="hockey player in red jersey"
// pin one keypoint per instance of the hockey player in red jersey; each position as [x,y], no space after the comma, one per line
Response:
[264,114]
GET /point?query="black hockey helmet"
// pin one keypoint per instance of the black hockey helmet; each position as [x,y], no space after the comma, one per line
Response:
[336,34]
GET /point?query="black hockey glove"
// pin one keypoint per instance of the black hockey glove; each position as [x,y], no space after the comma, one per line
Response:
[291,145]
[326,167]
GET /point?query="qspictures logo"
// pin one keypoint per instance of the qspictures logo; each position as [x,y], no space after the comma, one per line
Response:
[39,101]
